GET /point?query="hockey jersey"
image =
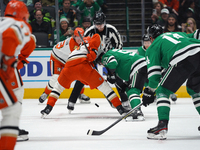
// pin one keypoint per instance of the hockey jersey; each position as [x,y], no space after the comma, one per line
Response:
[167,50]
[62,50]
[17,31]
[126,63]
[110,37]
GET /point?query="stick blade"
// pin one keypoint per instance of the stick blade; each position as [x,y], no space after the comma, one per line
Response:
[92,132]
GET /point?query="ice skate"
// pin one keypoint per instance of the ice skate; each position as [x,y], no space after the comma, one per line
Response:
[121,110]
[22,136]
[137,115]
[70,107]
[84,99]
[126,105]
[43,97]
[159,132]
[173,97]
[46,111]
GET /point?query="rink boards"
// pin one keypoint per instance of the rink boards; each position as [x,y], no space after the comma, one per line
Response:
[37,74]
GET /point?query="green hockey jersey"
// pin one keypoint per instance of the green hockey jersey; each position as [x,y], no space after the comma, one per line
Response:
[167,50]
[126,63]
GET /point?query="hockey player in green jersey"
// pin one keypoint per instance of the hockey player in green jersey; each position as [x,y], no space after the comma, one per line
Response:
[142,51]
[131,68]
[179,54]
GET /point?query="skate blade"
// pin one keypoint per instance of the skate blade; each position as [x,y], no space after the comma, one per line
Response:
[84,102]
[69,111]
[43,116]
[161,136]
[21,138]
[130,119]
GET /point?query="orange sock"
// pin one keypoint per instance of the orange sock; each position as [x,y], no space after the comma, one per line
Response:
[47,91]
[116,102]
[7,143]
[51,101]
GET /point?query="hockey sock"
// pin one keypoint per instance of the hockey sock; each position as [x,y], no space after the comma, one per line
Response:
[51,101]
[47,90]
[7,142]
[115,101]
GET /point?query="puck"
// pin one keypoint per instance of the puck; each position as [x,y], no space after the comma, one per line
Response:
[96,104]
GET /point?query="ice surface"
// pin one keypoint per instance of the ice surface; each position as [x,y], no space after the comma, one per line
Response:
[63,131]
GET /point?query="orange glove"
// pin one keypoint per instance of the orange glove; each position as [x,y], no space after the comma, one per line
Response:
[92,55]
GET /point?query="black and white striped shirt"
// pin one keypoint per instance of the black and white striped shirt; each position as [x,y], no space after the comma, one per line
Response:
[110,37]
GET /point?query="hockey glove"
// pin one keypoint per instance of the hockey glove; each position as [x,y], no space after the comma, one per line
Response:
[7,66]
[148,96]
[92,55]
[111,79]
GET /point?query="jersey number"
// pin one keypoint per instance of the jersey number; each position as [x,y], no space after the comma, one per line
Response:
[172,39]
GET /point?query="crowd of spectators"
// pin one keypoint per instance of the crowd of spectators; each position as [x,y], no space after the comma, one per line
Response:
[176,15]
[173,15]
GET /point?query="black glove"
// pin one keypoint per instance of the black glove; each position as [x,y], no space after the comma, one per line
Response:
[148,96]
[111,79]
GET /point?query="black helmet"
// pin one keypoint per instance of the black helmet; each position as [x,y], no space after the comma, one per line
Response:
[99,18]
[155,30]
[145,37]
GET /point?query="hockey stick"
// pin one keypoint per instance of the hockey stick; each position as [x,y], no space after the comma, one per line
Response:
[83,41]
[93,132]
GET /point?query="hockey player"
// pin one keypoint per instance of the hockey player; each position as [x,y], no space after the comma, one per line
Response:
[59,56]
[178,54]
[142,51]
[131,68]
[78,67]
[110,38]
[15,33]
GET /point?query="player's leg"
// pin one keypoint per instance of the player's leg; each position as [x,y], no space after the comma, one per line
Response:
[64,82]
[136,84]
[76,93]
[174,77]
[95,80]
[56,68]
[11,110]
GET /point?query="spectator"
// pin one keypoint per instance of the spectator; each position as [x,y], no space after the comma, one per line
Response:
[39,24]
[69,13]
[172,4]
[172,24]
[65,31]
[156,15]
[190,26]
[88,8]
[86,23]
[38,6]
[187,10]
[164,17]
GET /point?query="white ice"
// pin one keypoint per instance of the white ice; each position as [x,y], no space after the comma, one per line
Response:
[63,131]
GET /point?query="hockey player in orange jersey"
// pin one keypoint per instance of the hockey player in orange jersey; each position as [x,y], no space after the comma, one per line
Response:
[78,67]
[59,56]
[15,33]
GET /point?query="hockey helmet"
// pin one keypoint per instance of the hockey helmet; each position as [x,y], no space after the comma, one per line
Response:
[99,18]
[155,30]
[145,37]
[80,30]
[17,9]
